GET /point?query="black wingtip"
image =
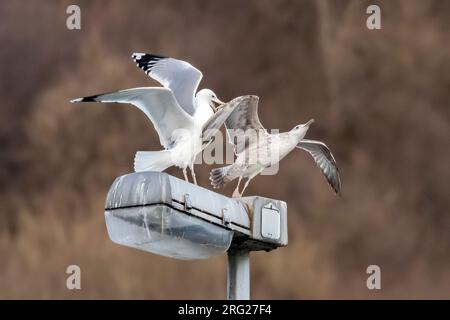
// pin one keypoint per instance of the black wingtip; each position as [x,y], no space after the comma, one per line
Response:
[338,189]
[85,99]
[89,99]
[146,56]
[146,61]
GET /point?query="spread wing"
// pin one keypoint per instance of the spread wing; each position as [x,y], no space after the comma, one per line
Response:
[158,104]
[324,160]
[245,116]
[214,123]
[177,75]
[243,125]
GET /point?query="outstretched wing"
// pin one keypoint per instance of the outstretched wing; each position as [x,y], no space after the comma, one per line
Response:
[245,116]
[324,160]
[243,125]
[158,104]
[177,75]
[214,123]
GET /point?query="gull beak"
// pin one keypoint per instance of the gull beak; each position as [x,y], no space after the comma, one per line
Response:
[219,102]
[309,123]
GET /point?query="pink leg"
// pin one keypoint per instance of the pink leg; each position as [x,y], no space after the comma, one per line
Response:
[236,193]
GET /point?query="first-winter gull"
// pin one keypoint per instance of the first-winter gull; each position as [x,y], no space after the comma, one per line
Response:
[269,149]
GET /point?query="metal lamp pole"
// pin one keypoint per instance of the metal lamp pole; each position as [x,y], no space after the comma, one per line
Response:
[238,275]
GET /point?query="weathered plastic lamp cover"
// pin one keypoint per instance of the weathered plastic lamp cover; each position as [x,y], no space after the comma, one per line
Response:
[158,213]
[153,211]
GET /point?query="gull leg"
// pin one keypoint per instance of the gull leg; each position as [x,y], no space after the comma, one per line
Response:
[185,175]
[236,193]
[193,174]
[245,185]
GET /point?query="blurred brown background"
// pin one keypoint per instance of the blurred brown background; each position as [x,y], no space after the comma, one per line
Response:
[380,100]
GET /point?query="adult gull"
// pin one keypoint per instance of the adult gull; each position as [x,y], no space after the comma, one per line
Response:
[178,103]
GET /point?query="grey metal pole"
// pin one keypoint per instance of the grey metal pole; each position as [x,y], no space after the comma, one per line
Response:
[238,276]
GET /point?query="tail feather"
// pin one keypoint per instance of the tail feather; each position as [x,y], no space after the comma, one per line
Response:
[219,176]
[152,160]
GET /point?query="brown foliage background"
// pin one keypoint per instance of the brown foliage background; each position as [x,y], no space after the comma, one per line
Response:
[380,100]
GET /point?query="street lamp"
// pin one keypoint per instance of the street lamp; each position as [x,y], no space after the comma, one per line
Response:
[158,213]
